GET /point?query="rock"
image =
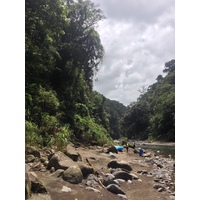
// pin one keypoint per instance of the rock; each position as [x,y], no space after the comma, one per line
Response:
[60,161]
[85,169]
[108,182]
[58,173]
[158,186]
[92,189]
[29,158]
[66,189]
[37,166]
[92,180]
[72,153]
[161,189]
[110,176]
[119,164]
[73,175]
[115,189]
[36,184]
[134,176]
[122,196]
[112,149]
[122,175]
[27,182]
[40,196]
[33,151]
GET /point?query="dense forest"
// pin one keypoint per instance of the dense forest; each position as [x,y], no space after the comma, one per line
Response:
[63,52]
[152,116]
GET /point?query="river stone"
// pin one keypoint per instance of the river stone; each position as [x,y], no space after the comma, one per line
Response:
[92,189]
[29,158]
[58,173]
[72,153]
[115,189]
[108,182]
[33,151]
[73,175]
[85,169]
[122,175]
[60,161]
[119,164]
[122,196]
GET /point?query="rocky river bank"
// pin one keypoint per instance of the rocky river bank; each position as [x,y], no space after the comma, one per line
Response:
[96,172]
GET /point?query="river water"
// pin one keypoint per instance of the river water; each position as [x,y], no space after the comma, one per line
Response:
[164,150]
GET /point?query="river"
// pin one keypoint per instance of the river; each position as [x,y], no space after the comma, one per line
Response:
[164,150]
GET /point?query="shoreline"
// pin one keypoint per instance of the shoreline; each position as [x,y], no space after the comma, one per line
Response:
[155,143]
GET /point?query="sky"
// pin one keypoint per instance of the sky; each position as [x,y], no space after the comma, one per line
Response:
[138,38]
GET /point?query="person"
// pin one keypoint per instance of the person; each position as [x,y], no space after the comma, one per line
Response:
[141,152]
[127,145]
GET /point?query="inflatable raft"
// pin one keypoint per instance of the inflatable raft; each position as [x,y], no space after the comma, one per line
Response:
[119,148]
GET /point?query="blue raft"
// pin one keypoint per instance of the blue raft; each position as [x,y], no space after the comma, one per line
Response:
[119,148]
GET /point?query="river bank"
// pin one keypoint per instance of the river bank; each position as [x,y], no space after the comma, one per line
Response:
[151,176]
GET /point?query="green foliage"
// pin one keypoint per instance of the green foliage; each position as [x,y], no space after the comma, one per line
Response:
[152,117]
[62,138]
[31,135]
[88,131]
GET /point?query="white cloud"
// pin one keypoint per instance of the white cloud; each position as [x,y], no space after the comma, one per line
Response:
[138,37]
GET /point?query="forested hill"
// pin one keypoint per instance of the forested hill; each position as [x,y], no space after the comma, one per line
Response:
[63,51]
[152,116]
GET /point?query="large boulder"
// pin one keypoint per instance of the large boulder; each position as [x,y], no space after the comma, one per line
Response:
[119,164]
[73,175]
[60,161]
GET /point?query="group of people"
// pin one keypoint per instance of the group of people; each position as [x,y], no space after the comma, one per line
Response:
[128,145]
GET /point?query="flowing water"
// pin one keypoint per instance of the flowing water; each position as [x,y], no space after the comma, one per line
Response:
[164,150]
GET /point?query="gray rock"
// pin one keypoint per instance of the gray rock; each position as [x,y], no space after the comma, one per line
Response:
[33,151]
[58,173]
[72,153]
[60,161]
[108,182]
[85,169]
[92,189]
[73,175]
[122,196]
[119,164]
[29,158]
[115,189]
[122,175]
